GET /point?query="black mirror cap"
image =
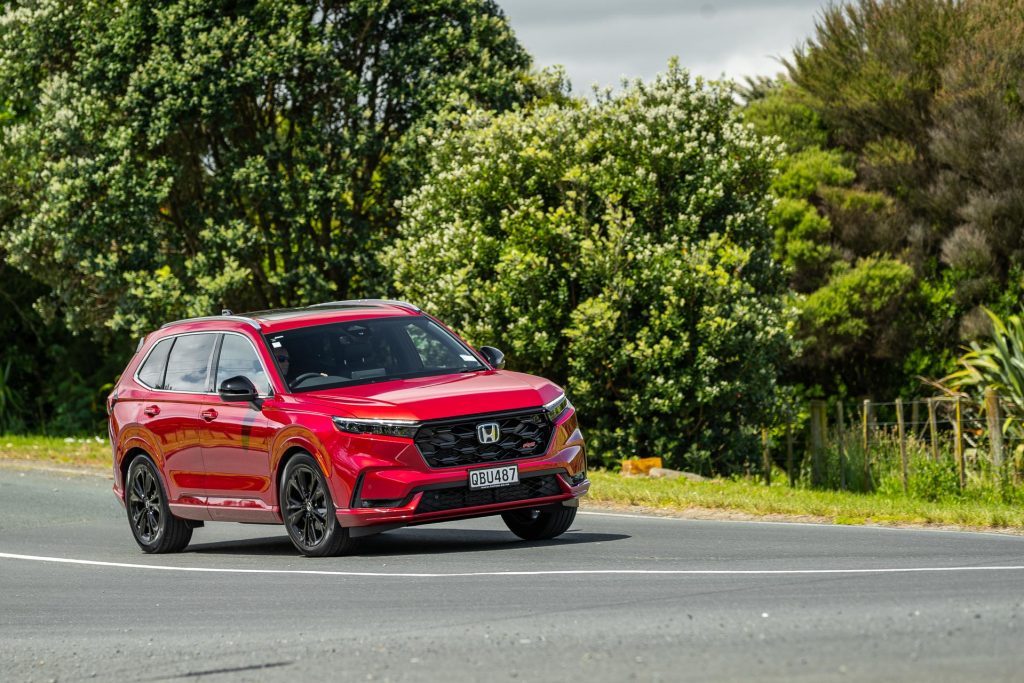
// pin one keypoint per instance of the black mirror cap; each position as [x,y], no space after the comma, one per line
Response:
[494,357]
[238,388]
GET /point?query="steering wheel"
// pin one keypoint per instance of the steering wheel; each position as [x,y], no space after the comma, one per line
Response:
[304,376]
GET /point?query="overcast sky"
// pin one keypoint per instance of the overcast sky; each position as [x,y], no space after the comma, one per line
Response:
[600,41]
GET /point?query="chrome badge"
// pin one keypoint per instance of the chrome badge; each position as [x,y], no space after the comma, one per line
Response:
[488,432]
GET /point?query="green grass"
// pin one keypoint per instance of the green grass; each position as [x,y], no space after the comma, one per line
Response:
[754,498]
[75,452]
[978,509]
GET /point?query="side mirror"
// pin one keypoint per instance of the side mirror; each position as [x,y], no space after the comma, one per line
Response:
[239,389]
[493,356]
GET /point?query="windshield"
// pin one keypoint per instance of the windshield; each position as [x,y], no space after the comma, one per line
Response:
[373,350]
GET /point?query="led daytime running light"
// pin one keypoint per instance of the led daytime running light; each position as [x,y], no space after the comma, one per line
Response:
[555,408]
[403,428]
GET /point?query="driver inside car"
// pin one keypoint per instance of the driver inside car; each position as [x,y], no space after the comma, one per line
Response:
[283,359]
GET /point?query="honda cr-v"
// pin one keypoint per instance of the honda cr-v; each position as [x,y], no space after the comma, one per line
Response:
[338,420]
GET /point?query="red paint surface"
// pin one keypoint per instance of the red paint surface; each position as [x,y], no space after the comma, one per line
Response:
[227,466]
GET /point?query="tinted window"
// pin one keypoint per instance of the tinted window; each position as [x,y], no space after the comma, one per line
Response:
[372,350]
[189,362]
[434,348]
[238,357]
[152,371]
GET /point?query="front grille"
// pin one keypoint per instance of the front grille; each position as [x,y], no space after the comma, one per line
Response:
[461,497]
[451,443]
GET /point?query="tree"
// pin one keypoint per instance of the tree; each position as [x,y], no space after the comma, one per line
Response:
[620,247]
[978,138]
[858,111]
[174,158]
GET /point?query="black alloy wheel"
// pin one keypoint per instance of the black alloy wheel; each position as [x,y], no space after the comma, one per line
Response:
[155,529]
[308,511]
[538,524]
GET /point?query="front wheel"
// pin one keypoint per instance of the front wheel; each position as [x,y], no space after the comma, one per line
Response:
[539,524]
[155,529]
[308,510]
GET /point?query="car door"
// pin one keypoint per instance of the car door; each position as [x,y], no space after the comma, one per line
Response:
[236,439]
[174,415]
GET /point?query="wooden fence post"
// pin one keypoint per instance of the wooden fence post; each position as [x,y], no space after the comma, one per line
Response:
[903,441]
[933,429]
[995,427]
[840,436]
[958,445]
[817,440]
[915,416]
[766,457]
[865,442]
[789,447]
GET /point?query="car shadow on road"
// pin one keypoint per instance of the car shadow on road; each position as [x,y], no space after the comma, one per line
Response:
[435,541]
[408,542]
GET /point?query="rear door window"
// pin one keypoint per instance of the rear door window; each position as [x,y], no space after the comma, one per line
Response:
[238,357]
[151,373]
[188,365]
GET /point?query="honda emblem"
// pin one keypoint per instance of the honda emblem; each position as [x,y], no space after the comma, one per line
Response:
[488,432]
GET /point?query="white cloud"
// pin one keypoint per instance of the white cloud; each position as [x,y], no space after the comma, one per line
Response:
[602,41]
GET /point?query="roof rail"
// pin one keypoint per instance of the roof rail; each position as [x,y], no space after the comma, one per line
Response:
[238,318]
[367,302]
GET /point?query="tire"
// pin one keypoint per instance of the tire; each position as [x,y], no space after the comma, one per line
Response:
[539,524]
[308,511]
[155,529]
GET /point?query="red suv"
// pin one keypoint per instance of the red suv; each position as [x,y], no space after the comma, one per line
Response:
[338,420]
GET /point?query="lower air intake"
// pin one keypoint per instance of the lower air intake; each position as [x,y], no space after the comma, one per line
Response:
[454,498]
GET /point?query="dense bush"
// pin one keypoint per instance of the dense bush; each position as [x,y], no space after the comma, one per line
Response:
[166,159]
[905,129]
[620,247]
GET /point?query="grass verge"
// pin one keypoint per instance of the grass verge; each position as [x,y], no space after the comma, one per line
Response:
[74,452]
[717,496]
[779,500]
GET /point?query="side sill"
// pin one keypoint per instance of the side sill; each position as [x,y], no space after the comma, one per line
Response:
[196,512]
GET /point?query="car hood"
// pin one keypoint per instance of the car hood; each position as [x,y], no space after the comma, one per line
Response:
[437,397]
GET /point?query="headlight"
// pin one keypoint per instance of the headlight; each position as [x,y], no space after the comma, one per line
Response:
[403,428]
[555,408]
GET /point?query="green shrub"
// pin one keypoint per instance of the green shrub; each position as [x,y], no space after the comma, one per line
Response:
[620,247]
[933,479]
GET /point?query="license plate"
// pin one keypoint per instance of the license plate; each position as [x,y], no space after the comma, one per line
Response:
[493,477]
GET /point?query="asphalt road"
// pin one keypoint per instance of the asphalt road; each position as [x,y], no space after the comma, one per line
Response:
[616,598]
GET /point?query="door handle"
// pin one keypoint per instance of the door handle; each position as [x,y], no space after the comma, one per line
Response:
[152,411]
[209,414]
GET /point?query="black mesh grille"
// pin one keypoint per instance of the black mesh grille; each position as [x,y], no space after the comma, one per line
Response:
[454,442]
[461,497]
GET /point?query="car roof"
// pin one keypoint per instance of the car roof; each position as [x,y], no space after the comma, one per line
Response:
[281,319]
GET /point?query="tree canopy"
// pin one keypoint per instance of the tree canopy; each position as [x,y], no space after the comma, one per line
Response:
[899,214]
[620,247]
[173,158]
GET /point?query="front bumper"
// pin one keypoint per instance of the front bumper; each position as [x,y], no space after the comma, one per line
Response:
[402,495]
[407,512]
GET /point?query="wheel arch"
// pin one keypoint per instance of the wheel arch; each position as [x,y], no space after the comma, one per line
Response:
[295,441]
[131,453]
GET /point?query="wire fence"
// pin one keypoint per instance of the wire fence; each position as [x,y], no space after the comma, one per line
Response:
[929,447]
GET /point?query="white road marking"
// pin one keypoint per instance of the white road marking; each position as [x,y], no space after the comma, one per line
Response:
[553,572]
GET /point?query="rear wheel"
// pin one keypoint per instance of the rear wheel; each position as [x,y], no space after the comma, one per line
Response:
[539,524]
[308,511]
[155,529]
